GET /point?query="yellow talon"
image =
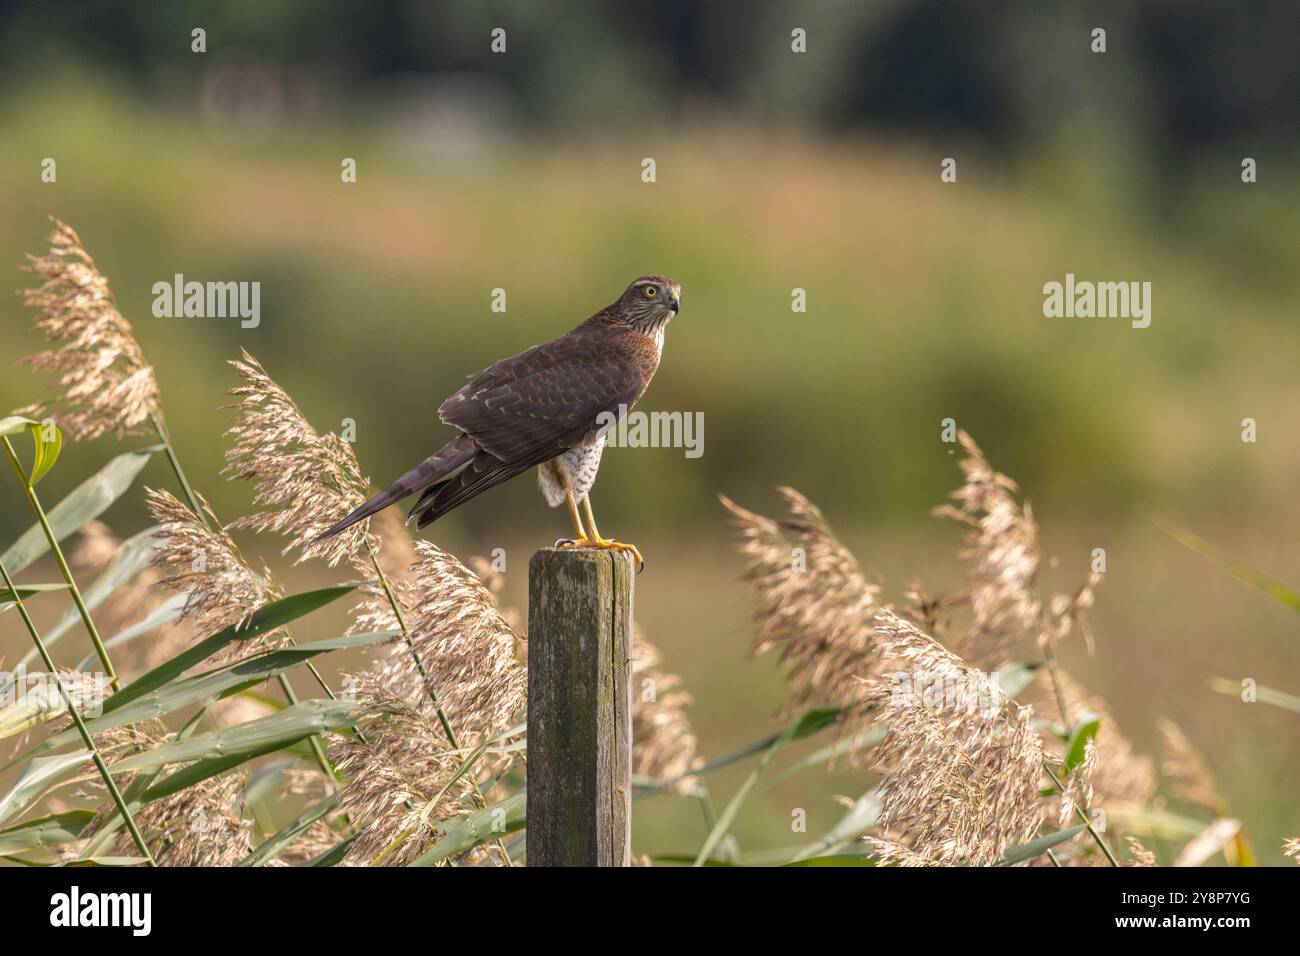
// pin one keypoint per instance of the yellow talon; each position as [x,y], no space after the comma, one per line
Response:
[594,540]
[612,545]
[604,544]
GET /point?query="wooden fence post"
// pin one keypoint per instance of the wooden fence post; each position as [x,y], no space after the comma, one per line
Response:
[579,708]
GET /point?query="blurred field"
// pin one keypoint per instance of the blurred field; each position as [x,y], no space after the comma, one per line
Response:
[924,303]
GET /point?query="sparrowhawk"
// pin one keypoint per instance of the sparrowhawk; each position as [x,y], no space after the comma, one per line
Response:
[548,407]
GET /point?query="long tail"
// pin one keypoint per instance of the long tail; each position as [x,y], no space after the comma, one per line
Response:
[443,464]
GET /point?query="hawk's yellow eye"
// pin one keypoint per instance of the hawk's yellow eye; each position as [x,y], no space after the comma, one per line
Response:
[651,291]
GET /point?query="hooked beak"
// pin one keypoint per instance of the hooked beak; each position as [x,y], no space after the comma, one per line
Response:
[675,304]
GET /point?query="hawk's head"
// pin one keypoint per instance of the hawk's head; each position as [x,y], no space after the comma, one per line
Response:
[650,299]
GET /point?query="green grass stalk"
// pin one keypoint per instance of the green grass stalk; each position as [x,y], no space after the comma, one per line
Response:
[160,429]
[76,719]
[1049,651]
[100,650]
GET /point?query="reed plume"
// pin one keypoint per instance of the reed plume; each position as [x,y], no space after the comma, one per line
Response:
[663,742]
[102,380]
[962,762]
[1139,854]
[198,826]
[495,581]
[201,560]
[397,553]
[201,825]
[398,779]
[303,481]
[467,647]
[97,547]
[963,783]
[378,608]
[892,853]
[814,604]
[1001,553]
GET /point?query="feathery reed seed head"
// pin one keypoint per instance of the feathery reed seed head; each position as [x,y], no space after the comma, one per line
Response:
[467,651]
[663,743]
[303,481]
[1140,855]
[1077,793]
[102,380]
[467,647]
[203,562]
[1002,555]
[198,826]
[814,604]
[962,777]
[399,781]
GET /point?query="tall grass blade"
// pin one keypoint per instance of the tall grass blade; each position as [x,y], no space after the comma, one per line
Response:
[135,555]
[823,755]
[25,591]
[335,854]
[825,718]
[1265,695]
[274,844]
[837,859]
[102,838]
[109,783]
[222,682]
[1242,572]
[47,439]
[455,837]
[39,777]
[87,501]
[266,618]
[251,739]
[862,816]
[45,831]
[1027,851]
[809,723]
[161,616]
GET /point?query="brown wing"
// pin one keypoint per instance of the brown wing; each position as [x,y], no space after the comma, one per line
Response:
[531,407]
[484,472]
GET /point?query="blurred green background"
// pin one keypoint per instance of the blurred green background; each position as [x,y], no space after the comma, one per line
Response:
[775,170]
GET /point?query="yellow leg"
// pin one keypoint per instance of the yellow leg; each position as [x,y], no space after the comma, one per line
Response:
[596,541]
[591,518]
[573,513]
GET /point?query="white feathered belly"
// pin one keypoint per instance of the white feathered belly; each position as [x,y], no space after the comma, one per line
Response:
[573,471]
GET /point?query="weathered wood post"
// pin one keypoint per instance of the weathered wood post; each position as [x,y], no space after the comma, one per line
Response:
[579,708]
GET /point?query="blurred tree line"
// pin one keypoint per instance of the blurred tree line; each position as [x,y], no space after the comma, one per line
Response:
[1178,75]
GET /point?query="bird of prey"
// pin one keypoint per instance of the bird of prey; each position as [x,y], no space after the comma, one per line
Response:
[549,408]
